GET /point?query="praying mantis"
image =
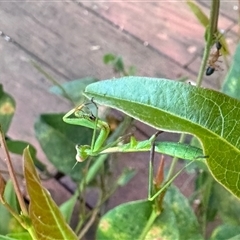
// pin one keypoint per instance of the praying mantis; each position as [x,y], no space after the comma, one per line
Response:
[83,116]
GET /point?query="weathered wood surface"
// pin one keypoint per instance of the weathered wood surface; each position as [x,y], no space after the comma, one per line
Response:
[169,27]
[69,40]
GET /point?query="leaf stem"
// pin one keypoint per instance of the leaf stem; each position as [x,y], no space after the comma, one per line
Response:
[13,175]
[211,32]
[153,216]
[52,80]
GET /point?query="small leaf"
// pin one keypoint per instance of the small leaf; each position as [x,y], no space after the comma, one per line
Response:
[201,16]
[73,89]
[178,107]
[108,58]
[115,61]
[45,215]
[231,85]
[132,70]
[118,65]
[126,176]
[58,141]
[7,109]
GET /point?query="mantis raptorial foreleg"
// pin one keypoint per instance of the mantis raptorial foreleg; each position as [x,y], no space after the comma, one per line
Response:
[82,116]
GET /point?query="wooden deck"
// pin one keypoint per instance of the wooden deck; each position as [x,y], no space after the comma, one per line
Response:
[160,38]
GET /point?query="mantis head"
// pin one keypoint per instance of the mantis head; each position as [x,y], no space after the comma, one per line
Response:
[82,152]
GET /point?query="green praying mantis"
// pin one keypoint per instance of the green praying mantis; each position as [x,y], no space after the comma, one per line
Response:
[82,116]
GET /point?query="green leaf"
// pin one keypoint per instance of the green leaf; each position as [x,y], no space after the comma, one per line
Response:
[236,237]
[228,205]
[127,221]
[231,85]
[201,16]
[58,141]
[126,176]
[45,215]
[17,147]
[226,232]
[109,58]
[10,224]
[73,89]
[115,61]
[67,208]
[7,109]
[186,221]
[178,107]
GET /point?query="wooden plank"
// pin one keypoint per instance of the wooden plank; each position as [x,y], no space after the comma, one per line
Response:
[228,9]
[169,27]
[64,34]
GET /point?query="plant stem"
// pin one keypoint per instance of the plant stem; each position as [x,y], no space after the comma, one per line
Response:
[52,80]
[89,223]
[13,175]
[211,32]
[153,216]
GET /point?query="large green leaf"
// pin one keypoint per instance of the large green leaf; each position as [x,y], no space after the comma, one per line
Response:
[178,107]
[127,221]
[231,84]
[45,215]
[58,141]
[7,109]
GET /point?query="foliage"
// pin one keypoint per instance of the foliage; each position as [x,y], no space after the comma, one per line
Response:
[210,116]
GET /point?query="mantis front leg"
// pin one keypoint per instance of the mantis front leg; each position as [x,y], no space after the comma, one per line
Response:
[82,116]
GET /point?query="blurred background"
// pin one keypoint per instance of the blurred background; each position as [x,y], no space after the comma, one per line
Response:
[68,40]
